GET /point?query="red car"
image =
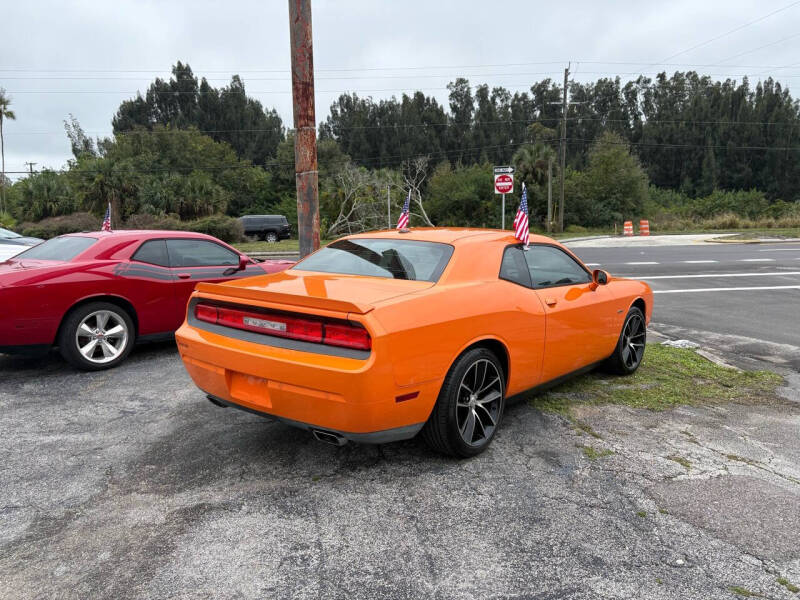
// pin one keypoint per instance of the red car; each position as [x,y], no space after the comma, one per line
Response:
[95,294]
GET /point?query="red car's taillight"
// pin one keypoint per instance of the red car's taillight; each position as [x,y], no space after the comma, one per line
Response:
[295,327]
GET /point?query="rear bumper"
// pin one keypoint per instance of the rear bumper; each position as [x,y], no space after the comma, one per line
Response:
[356,398]
[375,437]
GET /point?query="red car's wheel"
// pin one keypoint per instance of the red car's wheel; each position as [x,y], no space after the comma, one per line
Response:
[96,336]
[470,405]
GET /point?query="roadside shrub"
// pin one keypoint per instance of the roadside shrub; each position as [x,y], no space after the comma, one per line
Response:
[54,226]
[7,221]
[225,228]
[148,221]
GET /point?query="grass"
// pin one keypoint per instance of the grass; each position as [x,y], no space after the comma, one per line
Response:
[752,234]
[641,514]
[292,245]
[593,453]
[681,461]
[741,591]
[788,585]
[668,377]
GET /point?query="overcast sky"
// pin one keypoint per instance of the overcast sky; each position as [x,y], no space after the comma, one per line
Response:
[86,57]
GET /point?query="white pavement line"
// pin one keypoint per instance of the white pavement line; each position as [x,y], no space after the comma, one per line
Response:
[698,262]
[641,263]
[780,250]
[704,275]
[730,289]
[592,264]
[756,260]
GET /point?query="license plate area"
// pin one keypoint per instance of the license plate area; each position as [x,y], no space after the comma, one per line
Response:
[249,389]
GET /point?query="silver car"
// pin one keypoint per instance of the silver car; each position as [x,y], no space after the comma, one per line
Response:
[12,243]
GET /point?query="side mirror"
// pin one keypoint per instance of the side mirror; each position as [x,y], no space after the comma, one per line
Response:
[243,262]
[599,277]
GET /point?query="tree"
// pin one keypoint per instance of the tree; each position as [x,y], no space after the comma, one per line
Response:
[5,114]
[226,114]
[614,187]
[415,171]
[78,140]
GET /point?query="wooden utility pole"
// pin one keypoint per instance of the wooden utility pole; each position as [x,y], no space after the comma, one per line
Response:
[305,127]
[30,167]
[564,110]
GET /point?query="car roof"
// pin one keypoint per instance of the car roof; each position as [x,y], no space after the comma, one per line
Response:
[452,235]
[141,234]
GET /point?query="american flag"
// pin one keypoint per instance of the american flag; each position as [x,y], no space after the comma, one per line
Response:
[521,231]
[107,219]
[402,222]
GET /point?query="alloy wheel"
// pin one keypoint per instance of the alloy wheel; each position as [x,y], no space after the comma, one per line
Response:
[101,336]
[633,341]
[480,397]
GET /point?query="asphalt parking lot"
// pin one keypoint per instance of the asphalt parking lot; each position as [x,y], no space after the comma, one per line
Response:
[128,483]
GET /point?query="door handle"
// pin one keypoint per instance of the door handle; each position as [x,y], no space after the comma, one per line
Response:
[184,275]
[550,301]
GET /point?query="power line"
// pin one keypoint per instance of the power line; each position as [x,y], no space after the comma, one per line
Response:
[727,33]
[400,126]
[780,41]
[398,159]
[168,73]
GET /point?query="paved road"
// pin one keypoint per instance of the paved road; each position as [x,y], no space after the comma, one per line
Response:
[129,484]
[740,297]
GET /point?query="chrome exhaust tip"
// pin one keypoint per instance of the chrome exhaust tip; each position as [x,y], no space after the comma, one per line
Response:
[329,437]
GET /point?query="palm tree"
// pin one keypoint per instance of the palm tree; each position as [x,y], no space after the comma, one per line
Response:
[531,164]
[5,113]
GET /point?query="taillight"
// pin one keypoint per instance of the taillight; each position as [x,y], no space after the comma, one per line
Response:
[317,330]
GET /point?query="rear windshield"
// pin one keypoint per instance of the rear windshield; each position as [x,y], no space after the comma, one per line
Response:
[61,248]
[380,257]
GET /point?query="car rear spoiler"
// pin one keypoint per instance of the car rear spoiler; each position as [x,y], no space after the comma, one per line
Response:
[343,306]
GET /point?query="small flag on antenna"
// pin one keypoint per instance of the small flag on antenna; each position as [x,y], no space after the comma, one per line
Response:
[107,220]
[402,222]
[521,230]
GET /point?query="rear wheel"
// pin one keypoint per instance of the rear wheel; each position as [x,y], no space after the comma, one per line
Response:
[271,237]
[631,344]
[96,336]
[470,405]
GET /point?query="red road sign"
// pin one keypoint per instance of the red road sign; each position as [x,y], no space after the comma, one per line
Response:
[503,183]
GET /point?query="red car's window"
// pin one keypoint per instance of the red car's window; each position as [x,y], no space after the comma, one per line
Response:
[199,253]
[64,248]
[153,252]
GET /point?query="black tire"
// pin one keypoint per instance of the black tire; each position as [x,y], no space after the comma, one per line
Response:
[108,349]
[271,237]
[630,348]
[447,427]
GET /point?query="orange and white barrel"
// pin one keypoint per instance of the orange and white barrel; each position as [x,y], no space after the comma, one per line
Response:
[644,227]
[627,228]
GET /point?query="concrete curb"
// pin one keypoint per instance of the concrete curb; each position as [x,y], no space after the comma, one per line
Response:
[756,241]
[581,239]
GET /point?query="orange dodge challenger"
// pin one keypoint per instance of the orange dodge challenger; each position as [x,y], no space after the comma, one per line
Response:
[379,336]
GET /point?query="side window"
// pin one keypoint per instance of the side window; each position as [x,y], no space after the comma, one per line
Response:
[199,253]
[153,252]
[550,266]
[514,268]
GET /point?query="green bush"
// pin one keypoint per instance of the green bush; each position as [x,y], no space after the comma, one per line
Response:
[54,226]
[7,221]
[148,221]
[225,228]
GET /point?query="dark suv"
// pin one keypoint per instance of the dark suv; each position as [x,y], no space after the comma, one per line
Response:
[268,227]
